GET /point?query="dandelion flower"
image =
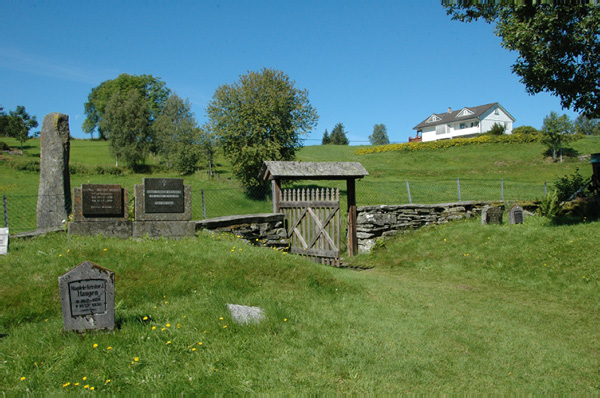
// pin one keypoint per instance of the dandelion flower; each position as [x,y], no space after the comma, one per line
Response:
[92,388]
[163,329]
[224,326]
[84,378]
[169,342]
[60,255]
[107,381]
[168,325]
[95,345]
[178,325]
[220,318]
[86,386]
[105,249]
[285,319]
[67,384]
[68,250]
[76,384]
[136,359]
[194,349]
[23,378]
[199,343]
[109,348]
[153,327]
[145,318]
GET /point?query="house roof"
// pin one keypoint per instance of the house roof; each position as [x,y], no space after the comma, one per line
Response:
[448,117]
[312,170]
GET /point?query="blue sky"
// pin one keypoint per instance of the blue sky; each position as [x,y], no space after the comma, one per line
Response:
[391,62]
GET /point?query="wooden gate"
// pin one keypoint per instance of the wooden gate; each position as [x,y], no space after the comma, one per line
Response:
[313,223]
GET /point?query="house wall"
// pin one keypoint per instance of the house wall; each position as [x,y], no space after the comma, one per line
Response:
[489,118]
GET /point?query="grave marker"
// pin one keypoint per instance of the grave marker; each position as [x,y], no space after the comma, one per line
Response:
[102,200]
[87,296]
[163,195]
[3,240]
[492,215]
[516,215]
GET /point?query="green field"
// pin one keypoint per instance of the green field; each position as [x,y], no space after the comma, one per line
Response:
[432,176]
[457,308]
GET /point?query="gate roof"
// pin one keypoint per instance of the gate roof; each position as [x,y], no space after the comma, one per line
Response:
[273,170]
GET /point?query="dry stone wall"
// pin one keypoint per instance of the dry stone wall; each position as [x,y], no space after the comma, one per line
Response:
[388,220]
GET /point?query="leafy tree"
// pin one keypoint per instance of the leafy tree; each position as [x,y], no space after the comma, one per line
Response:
[177,135]
[338,135]
[557,131]
[326,140]
[525,130]
[125,123]
[558,46]
[18,123]
[497,129]
[586,126]
[258,118]
[4,120]
[152,89]
[379,136]
[568,185]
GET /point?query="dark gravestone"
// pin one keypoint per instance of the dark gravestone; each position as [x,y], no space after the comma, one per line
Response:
[492,215]
[163,195]
[102,200]
[54,192]
[87,296]
[516,215]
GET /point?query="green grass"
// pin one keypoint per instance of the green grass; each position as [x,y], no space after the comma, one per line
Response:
[460,308]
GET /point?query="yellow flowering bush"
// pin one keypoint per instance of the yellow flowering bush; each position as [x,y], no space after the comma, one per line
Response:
[482,139]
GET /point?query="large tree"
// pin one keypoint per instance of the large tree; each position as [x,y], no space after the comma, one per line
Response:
[151,88]
[177,136]
[338,135]
[558,46]
[586,126]
[380,135]
[258,118]
[125,123]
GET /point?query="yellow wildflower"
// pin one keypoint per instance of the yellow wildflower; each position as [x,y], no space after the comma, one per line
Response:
[23,378]
[67,384]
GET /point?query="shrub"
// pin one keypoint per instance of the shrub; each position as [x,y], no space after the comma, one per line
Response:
[569,184]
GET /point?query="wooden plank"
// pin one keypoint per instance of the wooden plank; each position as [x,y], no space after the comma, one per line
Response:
[315,252]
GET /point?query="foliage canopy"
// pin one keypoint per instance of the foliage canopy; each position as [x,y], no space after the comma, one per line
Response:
[557,131]
[558,46]
[338,135]
[380,135]
[152,89]
[258,118]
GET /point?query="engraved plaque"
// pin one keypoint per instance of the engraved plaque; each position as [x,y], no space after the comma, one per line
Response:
[102,200]
[163,195]
[87,297]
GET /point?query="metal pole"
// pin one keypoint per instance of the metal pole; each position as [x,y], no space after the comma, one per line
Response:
[545,189]
[502,189]
[5,212]
[458,185]
[203,206]
[408,190]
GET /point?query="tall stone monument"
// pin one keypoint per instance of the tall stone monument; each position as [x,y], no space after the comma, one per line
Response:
[54,192]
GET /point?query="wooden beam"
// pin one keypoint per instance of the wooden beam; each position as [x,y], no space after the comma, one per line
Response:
[352,239]
[276,192]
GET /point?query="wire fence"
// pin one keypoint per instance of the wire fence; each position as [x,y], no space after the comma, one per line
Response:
[20,210]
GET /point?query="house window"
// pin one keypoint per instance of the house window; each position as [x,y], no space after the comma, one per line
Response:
[462,125]
[496,111]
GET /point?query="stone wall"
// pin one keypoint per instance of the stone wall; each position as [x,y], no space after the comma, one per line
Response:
[258,229]
[388,220]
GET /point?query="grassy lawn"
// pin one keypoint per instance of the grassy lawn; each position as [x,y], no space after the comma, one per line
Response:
[460,308]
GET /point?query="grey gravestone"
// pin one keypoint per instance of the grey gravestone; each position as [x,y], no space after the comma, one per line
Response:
[492,215]
[3,240]
[101,200]
[87,296]
[163,195]
[516,215]
[244,314]
[54,192]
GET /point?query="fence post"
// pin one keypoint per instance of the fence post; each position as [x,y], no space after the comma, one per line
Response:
[5,212]
[545,189]
[408,189]
[203,205]
[458,185]
[502,188]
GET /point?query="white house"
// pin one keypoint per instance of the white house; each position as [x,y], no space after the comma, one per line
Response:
[467,122]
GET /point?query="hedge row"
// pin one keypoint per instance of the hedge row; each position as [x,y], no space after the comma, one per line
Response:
[482,139]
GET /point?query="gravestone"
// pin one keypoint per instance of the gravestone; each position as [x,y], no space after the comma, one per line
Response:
[244,314]
[54,192]
[87,296]
[163,207]
[3,240]
[492,215]
[100,209]
[516,215]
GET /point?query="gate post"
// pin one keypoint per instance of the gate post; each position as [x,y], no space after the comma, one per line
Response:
[276,192]
[352,240]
